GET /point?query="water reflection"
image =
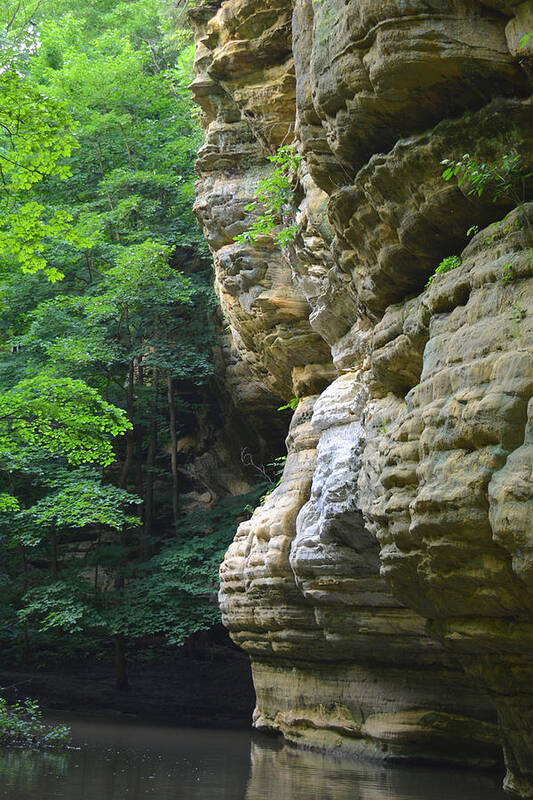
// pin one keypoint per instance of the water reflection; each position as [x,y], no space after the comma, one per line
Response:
[23,769]
[122,760]
[299,775]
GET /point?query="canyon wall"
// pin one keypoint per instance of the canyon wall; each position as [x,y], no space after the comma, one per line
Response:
[384,590]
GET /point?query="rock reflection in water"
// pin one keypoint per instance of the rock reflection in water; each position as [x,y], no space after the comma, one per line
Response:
[285,773]
[125,760]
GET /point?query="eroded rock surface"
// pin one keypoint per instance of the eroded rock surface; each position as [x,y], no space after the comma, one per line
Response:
[448,489]
[384,590]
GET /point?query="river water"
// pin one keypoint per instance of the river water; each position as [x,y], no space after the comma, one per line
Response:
[125,760]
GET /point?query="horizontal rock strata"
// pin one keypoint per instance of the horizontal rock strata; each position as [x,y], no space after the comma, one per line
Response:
[384,589]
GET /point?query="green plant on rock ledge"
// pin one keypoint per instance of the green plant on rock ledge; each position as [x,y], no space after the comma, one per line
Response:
[518,314]
[506,177]
[446,265]
[292,404]
[278,465]
[507,272]
[275,193]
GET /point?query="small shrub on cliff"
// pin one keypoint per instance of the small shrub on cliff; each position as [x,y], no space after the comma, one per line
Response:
[275,193]
[507,272]
[446,265]
[292,404]
[504,178]
[278,465]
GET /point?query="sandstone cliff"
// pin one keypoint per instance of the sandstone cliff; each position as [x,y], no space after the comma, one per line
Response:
[384,591]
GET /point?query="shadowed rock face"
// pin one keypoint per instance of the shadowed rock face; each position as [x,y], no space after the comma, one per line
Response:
[384,590]
[448,486]
[379,71]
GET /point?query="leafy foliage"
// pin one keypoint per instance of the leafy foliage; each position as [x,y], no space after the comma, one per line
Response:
[8,503]
[292,404]
[81,499]
[177,596]
[447,264]
[173,594]
[59,416]
[22,724]
[103,364]
[507,272]
[275,194]
[503,178]
[36,136]
[278,467]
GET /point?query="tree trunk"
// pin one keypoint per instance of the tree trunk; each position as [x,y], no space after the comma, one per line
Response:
[102,173]
[173,447]
[130,435]
[96,571]
[139,461]
[24,590]
[53,542]
[150,464]
[139,430]
[121,667]
[121,671]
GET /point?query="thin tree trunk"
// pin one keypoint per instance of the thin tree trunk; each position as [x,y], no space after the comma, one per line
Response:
[24,590]
[130,435]
[121,667]
[102,173]
[138,430]
[150,464]
[138,460]
[121,672]
[128,460]
[173,447]
[98,542]
[53,542]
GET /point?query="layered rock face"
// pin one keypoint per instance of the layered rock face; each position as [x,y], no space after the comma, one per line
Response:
[384,590]
[337,661]
[448,489]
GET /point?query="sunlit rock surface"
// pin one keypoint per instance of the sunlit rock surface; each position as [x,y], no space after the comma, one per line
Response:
[384,590]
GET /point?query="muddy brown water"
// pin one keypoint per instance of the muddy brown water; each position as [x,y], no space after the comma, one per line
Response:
[125,760]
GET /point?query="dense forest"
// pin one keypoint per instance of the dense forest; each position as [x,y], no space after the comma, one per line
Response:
[107,322]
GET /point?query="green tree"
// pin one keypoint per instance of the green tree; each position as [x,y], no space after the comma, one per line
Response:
[36,138]
[172,595]
[60,417]
[128,316]
[46,423]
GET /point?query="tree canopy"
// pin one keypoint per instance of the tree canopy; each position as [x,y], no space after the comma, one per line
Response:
[106,325]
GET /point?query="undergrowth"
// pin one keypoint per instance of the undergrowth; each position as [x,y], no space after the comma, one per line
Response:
[22,725]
